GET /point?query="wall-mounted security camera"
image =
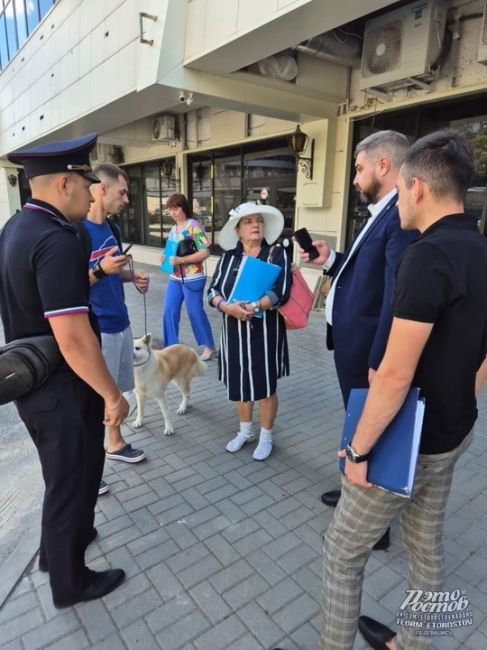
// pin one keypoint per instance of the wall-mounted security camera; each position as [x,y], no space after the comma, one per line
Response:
[182,96]
[189,99]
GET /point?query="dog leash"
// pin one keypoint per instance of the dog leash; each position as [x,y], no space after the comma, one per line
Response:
[132,270]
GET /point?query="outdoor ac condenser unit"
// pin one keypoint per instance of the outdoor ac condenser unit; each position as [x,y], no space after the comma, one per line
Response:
[164,128]
[482,51]
[103,152]
[401,47]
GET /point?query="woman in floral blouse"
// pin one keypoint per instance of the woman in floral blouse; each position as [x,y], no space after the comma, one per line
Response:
[187,281]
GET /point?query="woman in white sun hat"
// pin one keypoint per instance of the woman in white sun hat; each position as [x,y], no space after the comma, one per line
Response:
[254,353]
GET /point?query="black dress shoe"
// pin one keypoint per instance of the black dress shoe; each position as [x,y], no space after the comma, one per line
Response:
[331,498]
[376,634]
[43,563]
[384,542]
[101,584]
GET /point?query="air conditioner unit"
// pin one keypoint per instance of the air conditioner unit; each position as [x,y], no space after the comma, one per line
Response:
[401,47]
[164,128]
[103,152]
[482,51]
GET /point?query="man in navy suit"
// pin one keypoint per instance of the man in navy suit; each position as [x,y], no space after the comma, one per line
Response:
[358,307]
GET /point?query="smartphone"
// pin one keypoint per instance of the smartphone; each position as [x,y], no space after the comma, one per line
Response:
[304,240]
[126,250]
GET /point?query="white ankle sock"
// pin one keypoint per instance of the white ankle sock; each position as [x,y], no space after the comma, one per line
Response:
[246,429]
[264,448]
[246,434]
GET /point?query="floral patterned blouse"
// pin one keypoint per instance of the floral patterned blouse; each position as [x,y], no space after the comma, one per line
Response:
[192,230]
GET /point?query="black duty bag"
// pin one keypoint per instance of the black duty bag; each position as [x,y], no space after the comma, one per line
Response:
[25,364]
[186,247]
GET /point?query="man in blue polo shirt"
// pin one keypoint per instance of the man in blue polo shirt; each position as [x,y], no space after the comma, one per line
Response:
[107,275]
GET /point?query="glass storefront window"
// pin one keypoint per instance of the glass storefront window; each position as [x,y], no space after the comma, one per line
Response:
[475,130]
[461,115]
[153,204]
[145,220]
[201,170]
[227,191]
[262,172]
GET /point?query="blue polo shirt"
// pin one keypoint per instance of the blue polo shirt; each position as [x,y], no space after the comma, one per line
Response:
[106,295]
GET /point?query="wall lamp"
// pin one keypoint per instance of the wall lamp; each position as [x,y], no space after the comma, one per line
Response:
[168,167]
[301,143]
[12,180]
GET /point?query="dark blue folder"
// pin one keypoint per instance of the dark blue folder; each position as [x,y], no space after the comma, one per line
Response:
[392,462]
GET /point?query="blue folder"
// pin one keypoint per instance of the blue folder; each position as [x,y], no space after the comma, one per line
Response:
[254,279]
[169,251]
[393,459]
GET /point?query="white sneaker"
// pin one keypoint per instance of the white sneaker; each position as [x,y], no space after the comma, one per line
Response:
[238,442]
[264,448]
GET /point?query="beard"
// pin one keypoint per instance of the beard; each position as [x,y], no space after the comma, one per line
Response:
[372,192]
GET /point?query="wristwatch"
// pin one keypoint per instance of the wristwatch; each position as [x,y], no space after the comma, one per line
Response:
[98,272]
[352,455]
[256,306]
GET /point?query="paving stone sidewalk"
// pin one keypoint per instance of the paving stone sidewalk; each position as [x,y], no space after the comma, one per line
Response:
[223,552]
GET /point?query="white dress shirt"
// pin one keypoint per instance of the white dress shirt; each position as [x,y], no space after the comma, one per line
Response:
[374,209]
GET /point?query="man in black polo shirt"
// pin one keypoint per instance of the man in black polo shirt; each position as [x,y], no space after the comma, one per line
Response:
[438,341]
[44,290]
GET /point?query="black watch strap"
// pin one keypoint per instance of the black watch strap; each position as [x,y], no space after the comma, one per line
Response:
[353,456]
[98,272]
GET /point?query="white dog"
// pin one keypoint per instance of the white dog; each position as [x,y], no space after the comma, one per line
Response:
[154,369]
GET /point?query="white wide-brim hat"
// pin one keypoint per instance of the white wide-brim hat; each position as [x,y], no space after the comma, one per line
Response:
[273,223]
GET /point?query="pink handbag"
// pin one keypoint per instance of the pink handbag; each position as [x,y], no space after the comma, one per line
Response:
[297,308]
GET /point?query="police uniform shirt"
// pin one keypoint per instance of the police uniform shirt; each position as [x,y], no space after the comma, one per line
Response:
[43,271]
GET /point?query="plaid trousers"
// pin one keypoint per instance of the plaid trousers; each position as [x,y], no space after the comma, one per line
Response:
[361,518]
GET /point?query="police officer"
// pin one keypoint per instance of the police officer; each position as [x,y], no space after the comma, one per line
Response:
[44,289]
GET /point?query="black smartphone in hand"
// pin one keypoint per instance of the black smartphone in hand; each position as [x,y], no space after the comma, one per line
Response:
[304,240]
[124,252]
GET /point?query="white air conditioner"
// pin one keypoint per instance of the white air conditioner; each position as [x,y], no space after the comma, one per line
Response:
[400,48]
[102,152]
[164,128]
[482,51]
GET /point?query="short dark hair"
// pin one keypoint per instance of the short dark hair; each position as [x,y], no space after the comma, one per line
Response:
[179,201]
[389,143]
[443,160]
[110,171]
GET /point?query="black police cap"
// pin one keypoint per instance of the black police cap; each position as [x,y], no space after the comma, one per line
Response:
[59,156]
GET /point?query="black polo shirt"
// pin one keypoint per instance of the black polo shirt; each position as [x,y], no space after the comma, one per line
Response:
[43,271]
[442,279]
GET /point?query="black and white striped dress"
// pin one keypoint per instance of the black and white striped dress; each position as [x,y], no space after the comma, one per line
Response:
[253,354]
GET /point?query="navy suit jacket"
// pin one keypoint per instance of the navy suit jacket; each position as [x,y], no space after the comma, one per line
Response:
[362,305]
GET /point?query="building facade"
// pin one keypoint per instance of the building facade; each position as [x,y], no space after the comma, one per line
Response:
[202,96]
